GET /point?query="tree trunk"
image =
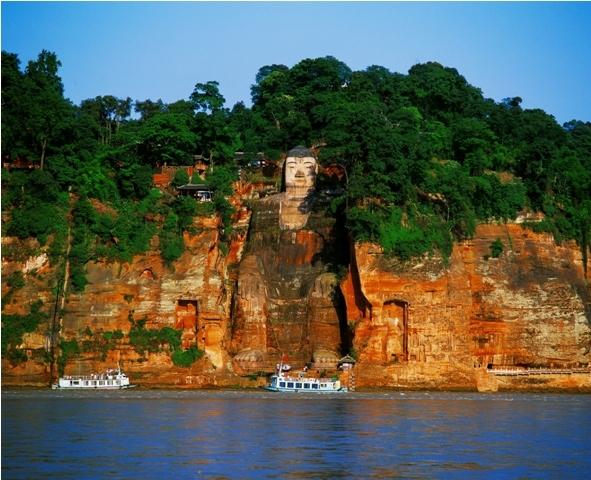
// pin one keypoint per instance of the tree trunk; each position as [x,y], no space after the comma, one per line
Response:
[43,145]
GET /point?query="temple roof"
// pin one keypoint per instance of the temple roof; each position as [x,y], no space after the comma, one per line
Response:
[192,187]
[347,359]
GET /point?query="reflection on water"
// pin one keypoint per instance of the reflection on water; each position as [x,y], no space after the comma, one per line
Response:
[255,434]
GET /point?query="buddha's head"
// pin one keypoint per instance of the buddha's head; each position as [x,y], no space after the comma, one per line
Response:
[301,168]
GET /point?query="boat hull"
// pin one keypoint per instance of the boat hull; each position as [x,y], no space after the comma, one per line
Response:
[302,390]
[96,387]
[111,380]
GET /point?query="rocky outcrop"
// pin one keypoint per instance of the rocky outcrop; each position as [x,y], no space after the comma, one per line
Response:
[431,325]
[194,297]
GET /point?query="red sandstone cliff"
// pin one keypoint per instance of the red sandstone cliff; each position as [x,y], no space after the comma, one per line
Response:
[193,296]
[427,325]
[529,308]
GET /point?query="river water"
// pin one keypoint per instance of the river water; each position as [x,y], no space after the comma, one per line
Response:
[256,434]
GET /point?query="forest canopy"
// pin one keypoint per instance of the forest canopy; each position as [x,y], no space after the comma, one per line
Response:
[425,156]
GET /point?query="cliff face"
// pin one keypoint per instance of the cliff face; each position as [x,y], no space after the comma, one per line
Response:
[430,326]
[194,296]
[424,325]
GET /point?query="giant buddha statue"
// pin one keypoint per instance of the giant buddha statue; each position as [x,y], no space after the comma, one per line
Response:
[287,302]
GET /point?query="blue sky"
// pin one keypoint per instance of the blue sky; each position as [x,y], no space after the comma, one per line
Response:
[540,51]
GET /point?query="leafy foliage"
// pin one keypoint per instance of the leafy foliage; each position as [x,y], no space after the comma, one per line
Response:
[101,344]
[409,236]
[68,350]
[16,280]
[181,177]
[15,325]
[186,358]
[153,341]
[496,248]
[425,156]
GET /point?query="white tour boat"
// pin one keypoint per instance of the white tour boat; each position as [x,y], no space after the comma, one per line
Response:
[110,380]
[281,382]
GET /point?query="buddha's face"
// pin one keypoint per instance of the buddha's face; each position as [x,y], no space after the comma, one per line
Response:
[300,175]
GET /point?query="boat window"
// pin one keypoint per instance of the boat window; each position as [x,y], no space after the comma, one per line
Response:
[306,385]
[315,386]
[76,383]
[323,385]
[282,384]
[289,384]
[298,385]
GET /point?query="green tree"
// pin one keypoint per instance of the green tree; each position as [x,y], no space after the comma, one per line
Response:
[44,105]
[109,112]
[181,177]
[220,181]
[148,109]
[186,209]
[442,93]
[216,137]
[142,181]
[14,143]
[168,138]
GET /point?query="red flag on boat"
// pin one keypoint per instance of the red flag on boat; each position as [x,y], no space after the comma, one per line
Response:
[284,358]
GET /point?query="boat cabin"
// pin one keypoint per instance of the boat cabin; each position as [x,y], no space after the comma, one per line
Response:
[284,383]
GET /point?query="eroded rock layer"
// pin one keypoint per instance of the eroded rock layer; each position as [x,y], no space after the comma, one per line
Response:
[429,324]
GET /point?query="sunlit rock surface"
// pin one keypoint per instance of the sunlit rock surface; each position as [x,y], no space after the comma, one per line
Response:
[529,307]
[422,325]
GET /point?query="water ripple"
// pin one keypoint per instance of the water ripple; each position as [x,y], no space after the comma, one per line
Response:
[255,434]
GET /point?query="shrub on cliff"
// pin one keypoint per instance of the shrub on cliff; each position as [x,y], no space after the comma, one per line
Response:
[410,235]
[109,340]
[14,326]
[170,234]
[16,281]
[220,182]
[496,248]
[69,349]
[152,340]
[171,248]
[186,358]
[186,209]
